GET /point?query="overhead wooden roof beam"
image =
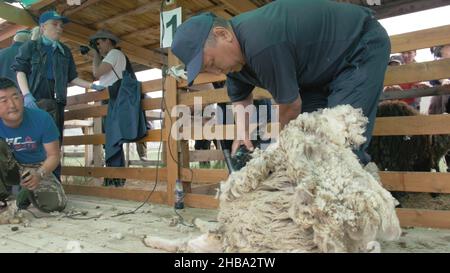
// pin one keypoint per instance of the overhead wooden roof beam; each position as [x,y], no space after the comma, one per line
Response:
[81,7]
[10,32]
[154,30]
[80,35]
[15,15]
[239,6]
[139,10]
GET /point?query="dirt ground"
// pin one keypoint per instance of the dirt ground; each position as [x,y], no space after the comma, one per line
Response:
[125,233]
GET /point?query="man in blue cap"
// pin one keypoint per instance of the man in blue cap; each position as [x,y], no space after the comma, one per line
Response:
[308,54]
[8,55]
[45,68]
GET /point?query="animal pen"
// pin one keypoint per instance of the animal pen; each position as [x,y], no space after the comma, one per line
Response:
[137,24]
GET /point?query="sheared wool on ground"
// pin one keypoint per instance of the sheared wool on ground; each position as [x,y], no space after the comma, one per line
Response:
[306,193]
[11,215]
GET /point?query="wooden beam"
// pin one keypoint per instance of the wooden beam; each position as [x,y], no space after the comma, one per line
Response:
[78,107]
[15,15]
[173,157]
[98,139]
[110,172]
[185,159]
[424,218]
[239,6]
[417,72]
[153,115]
[144,163]
[10,32]
[95,111]
[153,30]
[420,39]
[217,96]
[78,123]
[416,93]
[139,10]
[416,181]
[386,126]
[146,87]
[84,5]
[201,201]
[205,155]
[394,8]
[157,197]
[412,125]
[80,34]
[71,155]
[87,97]
[202,176]
[85,66]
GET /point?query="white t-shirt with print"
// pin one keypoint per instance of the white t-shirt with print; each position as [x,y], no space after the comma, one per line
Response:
[118,61]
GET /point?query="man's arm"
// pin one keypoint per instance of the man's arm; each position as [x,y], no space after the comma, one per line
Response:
[289,111]
[81,83]
[53,156]
[49,165]
[243,122]
[23,82]
[99,68]
[73,75]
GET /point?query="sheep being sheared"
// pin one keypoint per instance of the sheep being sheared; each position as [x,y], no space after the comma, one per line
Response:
[305,193]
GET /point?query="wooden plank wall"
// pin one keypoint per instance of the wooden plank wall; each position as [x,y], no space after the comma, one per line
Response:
[395,181]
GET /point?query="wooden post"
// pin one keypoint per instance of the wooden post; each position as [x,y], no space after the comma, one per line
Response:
[97,149]
[173,159]
[127,155]
[164,153]
[187,185]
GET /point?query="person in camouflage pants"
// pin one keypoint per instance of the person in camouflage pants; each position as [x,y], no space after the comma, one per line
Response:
[29,153]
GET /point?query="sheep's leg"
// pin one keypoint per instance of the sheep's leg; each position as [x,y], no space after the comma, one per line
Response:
[206,226]
[164,244]
[206,243]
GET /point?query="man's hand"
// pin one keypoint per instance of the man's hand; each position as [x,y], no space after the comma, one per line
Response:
[29,101]
[237,143]
[31,181]
[289,111]
[92,52]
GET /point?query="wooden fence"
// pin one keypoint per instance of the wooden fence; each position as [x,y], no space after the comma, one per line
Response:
[178,154]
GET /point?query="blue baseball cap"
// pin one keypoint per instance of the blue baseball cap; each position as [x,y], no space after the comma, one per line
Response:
[25,31]
[189,40]
[52,15]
